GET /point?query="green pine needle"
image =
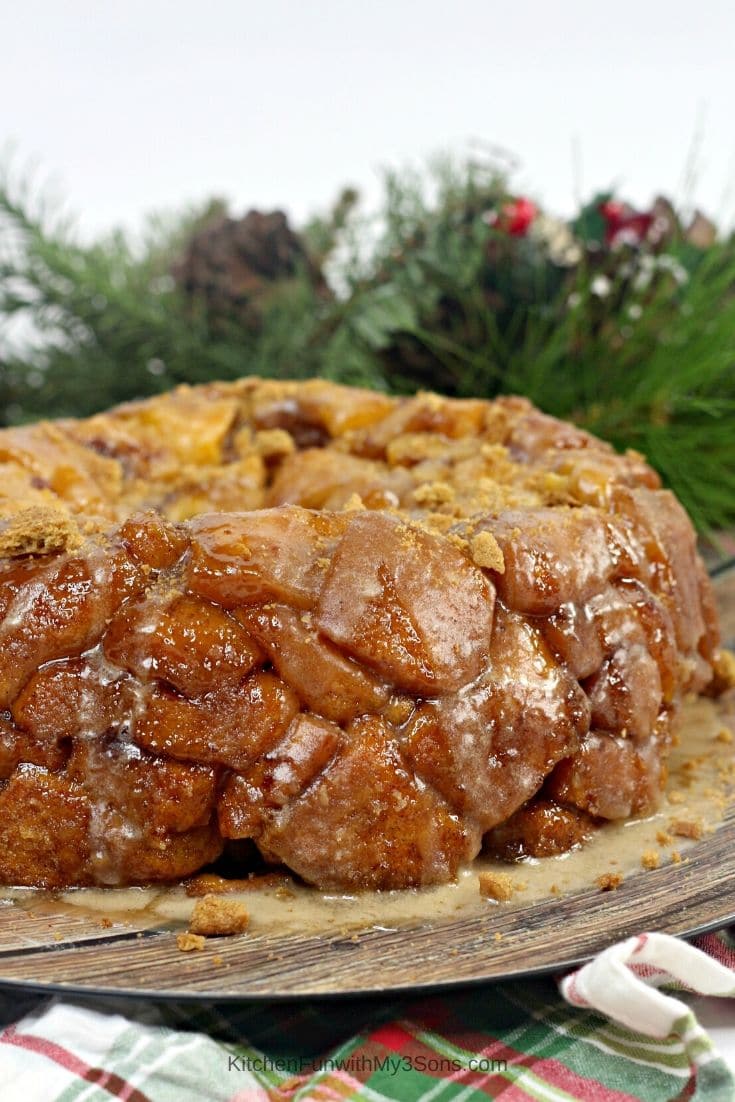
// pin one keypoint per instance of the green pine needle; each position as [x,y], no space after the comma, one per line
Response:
[433,293]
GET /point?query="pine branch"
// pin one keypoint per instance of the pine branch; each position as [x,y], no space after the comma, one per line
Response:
[437,291]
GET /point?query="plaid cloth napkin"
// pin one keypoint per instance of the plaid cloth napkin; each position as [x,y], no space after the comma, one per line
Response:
[606,1033]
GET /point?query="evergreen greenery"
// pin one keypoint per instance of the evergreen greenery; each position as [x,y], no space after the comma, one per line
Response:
[633,339]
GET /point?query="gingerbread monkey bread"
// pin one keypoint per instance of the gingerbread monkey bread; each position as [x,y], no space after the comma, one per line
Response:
[367,634]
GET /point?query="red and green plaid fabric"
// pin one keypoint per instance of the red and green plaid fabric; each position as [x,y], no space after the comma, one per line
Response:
[515,1041]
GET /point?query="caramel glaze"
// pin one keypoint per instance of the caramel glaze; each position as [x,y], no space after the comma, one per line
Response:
[365,633]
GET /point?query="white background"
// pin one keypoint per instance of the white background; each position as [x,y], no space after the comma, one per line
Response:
[150,103]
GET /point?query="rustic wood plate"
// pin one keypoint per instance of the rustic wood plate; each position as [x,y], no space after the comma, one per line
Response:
[58,948]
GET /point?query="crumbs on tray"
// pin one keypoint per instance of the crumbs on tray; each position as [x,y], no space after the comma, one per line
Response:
[609,881]
[687,828]
[215,916]
[499,886]
[186,942]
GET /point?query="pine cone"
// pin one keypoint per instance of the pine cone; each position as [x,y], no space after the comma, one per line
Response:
[231,266]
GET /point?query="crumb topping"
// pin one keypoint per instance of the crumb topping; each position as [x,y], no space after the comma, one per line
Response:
[486,552]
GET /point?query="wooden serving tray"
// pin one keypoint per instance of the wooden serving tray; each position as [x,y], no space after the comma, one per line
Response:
[48,945]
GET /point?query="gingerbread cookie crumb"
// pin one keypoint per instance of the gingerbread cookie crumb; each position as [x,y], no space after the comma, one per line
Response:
[274,443]
[486,552]
[687,828]
[723,665]
[186,942]
[609,881]
[354,504]
[433,494]
[38,530]
[214,916]
[498,886]
[457,540]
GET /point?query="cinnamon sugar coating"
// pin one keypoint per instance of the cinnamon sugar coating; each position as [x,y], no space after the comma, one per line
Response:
[363,632]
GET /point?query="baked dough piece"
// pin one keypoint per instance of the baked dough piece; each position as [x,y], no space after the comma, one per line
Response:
[363,632]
